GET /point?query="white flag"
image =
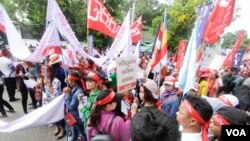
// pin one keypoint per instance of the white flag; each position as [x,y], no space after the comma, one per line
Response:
[122,41]
[55,14]
[50,39]
[16,44]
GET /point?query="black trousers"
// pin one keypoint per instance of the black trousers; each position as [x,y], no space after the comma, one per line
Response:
[32,96]
[24,101]
[10,83]
[3,102]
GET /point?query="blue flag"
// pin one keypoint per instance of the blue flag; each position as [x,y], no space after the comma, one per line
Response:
[188,70]
[203,14]
[238,58]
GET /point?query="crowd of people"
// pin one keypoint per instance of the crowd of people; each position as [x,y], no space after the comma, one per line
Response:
[157,111]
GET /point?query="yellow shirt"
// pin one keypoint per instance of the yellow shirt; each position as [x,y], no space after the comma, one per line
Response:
[203,88]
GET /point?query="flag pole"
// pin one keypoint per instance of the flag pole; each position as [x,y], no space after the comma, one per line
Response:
[87,29]
[46,25]
[133,11]
[88,47]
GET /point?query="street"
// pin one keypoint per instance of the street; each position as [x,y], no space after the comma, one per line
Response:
[43,133]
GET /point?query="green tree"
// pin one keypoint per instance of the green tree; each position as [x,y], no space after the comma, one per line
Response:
[181,18]
[30,16]
[229,40]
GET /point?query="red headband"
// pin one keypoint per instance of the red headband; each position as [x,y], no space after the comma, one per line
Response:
[196,116]
[219,120]
[70,77]
[225,100]
[107,99]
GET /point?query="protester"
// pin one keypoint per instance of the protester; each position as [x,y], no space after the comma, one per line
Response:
[169,98]
[213,84]
[221,101]
[52,86]
[103,116]
[243,94]
[228,80]
[79,68]
[193,116]
[9,76]
[3,102]
[72,103]
[52,89]
[204,78]
[32,73]
[60,73]
[242,76]
[92,83]
[20,72]
[226,116]
[193,91]
[150,123]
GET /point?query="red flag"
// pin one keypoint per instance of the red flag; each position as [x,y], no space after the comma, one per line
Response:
[52,50]
[180,54]
[99,19]
[230,57]
[221,17]
[136,29]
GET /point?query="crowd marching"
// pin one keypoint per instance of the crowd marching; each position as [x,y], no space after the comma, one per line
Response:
[157,112]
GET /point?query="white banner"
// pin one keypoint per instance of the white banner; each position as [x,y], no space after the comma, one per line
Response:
[126,73]
[122,41]
[217,62]
[47,114]
[16,44]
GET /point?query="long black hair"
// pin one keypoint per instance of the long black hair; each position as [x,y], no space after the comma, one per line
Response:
[95,114]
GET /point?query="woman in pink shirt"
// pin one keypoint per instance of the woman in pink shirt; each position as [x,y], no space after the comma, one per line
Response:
[213,86]
[103,115]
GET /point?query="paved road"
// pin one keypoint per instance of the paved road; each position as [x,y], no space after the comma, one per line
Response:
[43,133]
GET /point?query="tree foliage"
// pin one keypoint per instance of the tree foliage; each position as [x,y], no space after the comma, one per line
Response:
[229,40]
[74,10]
[181,17]
[30,16]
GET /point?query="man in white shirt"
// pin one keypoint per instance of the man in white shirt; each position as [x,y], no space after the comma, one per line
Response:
[8,70]
[194,115]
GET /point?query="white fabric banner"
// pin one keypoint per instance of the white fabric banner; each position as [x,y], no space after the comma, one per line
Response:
[217,62]
[16,44]
[122,41]
[47,114]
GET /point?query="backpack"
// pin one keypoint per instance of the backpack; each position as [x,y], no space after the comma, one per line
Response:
[243,94]
[102,135]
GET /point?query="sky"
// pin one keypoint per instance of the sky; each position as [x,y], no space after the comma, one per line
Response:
[243,22]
